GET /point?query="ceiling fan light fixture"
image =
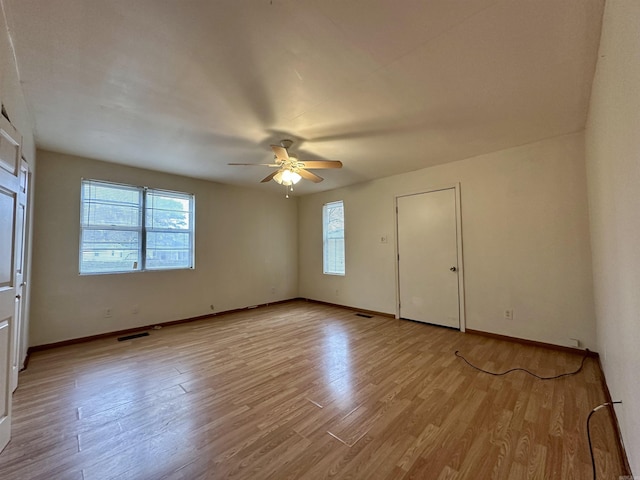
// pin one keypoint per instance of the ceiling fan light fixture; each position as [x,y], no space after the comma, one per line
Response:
[278,177]
[286,177]
[291,176]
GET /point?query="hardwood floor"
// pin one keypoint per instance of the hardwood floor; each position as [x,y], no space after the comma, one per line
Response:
[305,391]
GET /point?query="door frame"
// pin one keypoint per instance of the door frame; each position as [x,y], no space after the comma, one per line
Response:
[461,296]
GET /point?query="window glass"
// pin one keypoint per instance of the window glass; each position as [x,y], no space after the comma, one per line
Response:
[169,230]
[333,238]
[110,228]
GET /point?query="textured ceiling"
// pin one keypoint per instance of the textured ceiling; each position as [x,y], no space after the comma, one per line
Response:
[386,86]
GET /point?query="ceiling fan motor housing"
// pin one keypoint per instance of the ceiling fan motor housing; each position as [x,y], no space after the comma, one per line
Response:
[286,143]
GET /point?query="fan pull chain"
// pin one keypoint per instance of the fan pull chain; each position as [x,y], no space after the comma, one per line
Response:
[287,189]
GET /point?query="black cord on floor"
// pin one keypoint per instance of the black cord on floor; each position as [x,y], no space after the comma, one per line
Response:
[593,460]
[586,354]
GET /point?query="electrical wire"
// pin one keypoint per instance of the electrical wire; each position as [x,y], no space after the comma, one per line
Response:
[593,460]
[586,354]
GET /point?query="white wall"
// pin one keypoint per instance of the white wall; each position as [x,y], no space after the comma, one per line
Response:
[246,245]
[613,165]
[525,238]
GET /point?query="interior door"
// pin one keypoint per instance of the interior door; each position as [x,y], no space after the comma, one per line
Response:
[20,278]
[9,188]
[428,258]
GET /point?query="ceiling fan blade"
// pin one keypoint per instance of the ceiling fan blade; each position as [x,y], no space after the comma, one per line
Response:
[280,152]
[321,163]
[269,177]
[309,176]
[257,164]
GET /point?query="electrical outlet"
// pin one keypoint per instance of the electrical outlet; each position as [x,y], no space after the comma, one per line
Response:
[574,342]
[108,313]
[508,314]
[212,307]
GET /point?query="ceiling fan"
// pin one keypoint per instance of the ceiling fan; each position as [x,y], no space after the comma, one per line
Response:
[290,170]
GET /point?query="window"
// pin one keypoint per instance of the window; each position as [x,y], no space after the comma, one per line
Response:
[333,238]
[124,228]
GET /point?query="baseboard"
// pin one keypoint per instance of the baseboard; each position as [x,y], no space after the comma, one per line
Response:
[346,307]
[25,364]
[533,343]
[118,333]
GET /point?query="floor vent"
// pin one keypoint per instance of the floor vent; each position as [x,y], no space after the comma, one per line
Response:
[364,315]
[135,335]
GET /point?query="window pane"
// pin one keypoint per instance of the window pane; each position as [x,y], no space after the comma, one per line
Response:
[168,221]
[168,250]
[333,238]
[115,205]
[111,228]
[168,211]
[110,251]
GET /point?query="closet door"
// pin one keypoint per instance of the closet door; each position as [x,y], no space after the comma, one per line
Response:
[19,333]
[9,201]
[428,258]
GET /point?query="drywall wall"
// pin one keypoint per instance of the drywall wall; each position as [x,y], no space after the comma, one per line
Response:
[613,166]
[525,239]
[246,254]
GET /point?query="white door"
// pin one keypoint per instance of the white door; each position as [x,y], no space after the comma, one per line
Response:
[9,192]
[428,258]
[20,279]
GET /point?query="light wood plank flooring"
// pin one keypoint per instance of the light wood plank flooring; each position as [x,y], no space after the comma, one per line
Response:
[305,391]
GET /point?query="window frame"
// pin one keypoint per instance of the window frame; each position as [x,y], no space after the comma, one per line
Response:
[325,237]
[141,228]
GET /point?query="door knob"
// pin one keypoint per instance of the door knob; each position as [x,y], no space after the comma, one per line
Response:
[453,269]
[18,297]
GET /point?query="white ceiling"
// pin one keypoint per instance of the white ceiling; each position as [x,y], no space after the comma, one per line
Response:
[386,86]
